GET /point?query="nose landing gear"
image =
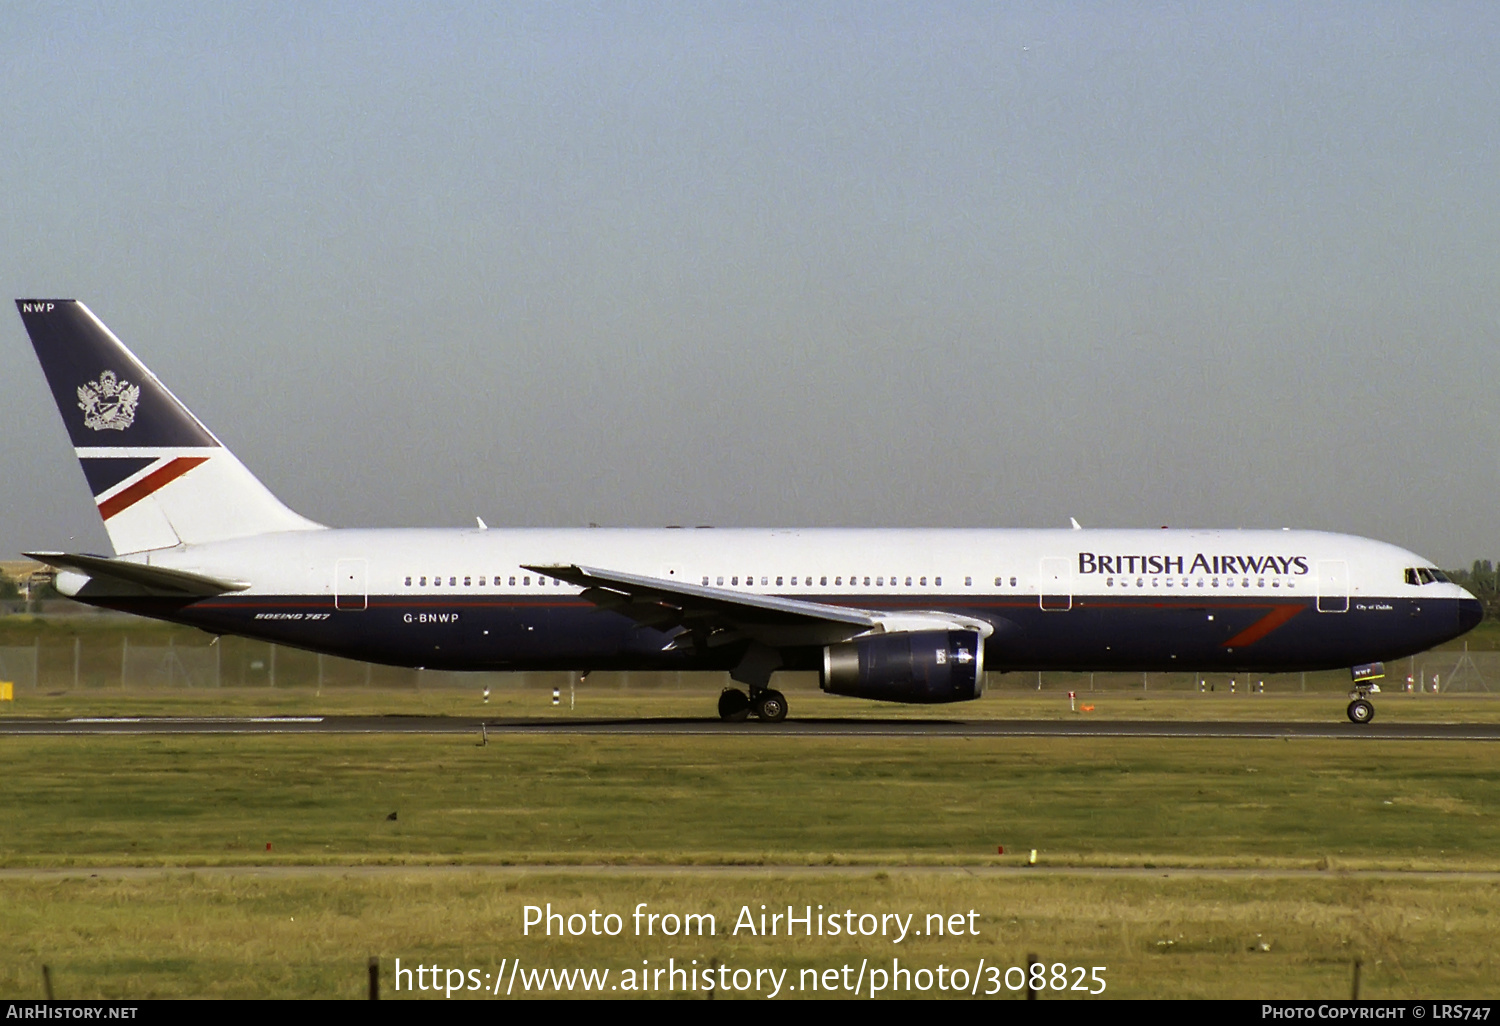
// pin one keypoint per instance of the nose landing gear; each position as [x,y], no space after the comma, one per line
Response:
[1365,676]
[1361,710]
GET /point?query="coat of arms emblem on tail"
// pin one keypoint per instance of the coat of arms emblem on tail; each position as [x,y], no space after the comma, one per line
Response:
[109,403]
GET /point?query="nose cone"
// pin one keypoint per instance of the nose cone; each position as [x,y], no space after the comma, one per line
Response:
[1470,612]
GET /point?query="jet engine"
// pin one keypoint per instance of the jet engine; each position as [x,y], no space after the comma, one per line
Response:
[924,667]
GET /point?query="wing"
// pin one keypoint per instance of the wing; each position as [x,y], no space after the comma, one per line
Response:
[704,616]
[714,616]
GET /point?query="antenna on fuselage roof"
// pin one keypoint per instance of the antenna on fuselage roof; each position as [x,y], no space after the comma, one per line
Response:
[482,525]
[1076,525]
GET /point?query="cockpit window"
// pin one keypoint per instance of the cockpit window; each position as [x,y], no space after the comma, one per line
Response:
[1425,575]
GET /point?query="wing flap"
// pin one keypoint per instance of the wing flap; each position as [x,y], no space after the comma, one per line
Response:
[713,615]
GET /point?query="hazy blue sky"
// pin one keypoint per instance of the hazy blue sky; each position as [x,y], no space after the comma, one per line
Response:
[759,264]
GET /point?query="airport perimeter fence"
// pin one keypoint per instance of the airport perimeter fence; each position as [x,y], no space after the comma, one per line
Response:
[156,660]
[1440,671]
[129,659]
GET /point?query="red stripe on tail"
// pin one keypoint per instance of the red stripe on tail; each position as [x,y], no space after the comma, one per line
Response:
[125,498]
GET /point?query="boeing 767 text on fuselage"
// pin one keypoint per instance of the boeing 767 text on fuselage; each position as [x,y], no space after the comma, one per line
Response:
[893,615]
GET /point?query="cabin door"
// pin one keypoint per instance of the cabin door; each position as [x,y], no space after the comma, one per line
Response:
[349,584]
[1333,586]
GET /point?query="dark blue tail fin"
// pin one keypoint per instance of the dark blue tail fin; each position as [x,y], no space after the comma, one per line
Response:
[159,477]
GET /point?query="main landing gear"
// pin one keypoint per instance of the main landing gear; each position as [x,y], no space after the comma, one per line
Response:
[767,703]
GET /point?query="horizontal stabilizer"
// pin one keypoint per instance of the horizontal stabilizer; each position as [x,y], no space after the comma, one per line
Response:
[152,578]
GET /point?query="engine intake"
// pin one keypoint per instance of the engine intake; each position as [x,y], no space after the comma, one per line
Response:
[924,667]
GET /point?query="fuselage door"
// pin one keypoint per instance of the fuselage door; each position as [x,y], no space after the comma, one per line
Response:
[349,584]
[1057,583]
[1333,586]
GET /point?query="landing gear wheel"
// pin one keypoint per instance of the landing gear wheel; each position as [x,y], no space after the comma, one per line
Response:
[1361,711]
[734,705]
[770,706]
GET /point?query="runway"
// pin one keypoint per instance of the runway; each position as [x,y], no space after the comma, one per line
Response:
[1335,730]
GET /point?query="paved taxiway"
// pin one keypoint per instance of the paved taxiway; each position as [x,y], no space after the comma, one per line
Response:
[789,728]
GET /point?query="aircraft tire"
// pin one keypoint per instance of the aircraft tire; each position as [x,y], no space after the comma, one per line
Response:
[734,705]
[770,706]
[1361,711]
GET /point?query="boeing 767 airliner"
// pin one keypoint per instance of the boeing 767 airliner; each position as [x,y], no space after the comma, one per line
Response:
[894,615]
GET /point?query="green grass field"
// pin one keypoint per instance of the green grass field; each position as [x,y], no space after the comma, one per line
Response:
[207,936]
[746,799]
[887,824]
[1123,828]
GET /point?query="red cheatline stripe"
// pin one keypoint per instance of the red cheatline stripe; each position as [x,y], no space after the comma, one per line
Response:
[124,499]
[1265,625]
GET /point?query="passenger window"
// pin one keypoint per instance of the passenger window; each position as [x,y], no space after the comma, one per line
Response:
[526,581]
[466,583]
[763,582]
[880,582]
[705,582]
[908,582]
[823,582]
[937,582]
[867,582]
[512,581]
[1012,582]
[997,582]
[408,582]
[720,580]
[1110,582]
[423,582]
[838,582]
[735,581]
[778,581]
[968,582]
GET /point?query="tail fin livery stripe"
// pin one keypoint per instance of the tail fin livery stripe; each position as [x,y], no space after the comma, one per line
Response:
[107,472]
[127,497]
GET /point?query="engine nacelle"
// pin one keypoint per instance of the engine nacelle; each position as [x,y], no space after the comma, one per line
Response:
[924,667]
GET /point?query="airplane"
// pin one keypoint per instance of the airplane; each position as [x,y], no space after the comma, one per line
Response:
[899,615]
